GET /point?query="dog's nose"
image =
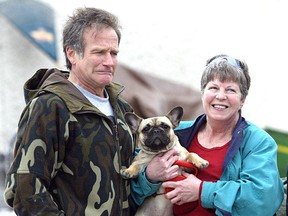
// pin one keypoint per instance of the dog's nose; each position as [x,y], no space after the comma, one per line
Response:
[156,131]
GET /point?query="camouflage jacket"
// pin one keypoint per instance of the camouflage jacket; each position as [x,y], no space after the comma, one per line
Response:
[68,154]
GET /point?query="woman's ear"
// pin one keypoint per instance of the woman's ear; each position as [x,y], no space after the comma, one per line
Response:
[242,103]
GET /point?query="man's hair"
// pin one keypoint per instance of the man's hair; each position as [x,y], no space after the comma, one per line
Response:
[82,19]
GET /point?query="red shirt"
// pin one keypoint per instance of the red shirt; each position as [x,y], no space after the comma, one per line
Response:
[212,173]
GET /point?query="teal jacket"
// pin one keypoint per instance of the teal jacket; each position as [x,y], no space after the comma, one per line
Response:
[250,183]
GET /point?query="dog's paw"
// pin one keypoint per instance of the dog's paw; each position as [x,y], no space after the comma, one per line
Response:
[197,160]
[126,174]
[202,164]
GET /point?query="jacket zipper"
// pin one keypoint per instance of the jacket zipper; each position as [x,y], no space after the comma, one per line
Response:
[119,163]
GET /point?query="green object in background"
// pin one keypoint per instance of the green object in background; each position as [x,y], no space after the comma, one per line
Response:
[281,139]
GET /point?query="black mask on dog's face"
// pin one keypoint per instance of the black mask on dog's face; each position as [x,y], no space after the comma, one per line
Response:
[157,135]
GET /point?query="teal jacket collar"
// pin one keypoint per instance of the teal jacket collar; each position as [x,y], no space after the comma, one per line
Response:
[188,129]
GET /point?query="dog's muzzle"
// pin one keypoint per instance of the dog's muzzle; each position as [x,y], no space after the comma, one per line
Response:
[157,139]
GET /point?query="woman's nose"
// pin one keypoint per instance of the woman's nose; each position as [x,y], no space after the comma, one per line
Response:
[221,96]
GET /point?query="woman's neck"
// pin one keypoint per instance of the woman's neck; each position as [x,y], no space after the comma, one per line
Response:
[216,134]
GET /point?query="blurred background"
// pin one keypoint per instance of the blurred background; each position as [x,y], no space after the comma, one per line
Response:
[163,51]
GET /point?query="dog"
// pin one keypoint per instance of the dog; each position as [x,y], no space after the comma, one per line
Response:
[156,135]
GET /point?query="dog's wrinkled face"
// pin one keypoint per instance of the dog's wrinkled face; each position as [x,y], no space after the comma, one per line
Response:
[155,134]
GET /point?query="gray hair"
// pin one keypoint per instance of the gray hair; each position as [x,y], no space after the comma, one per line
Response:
[82,19]
[226,68]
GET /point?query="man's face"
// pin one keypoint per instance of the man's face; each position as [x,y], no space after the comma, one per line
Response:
[95,68]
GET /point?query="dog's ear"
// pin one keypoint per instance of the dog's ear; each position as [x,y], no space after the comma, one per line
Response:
[133,121]
[175,116]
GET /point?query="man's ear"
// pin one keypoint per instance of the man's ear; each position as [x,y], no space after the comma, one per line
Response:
[71,55]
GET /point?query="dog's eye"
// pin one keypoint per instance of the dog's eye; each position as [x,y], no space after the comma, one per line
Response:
[146,128]
[165,126]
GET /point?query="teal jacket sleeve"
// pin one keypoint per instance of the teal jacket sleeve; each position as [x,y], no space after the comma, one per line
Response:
[250,184]
[141,187]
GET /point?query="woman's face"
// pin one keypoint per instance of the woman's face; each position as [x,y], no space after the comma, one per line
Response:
[222,100]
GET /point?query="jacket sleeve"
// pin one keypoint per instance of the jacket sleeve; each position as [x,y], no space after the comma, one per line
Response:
[141,187]
[250,184]
[36,158]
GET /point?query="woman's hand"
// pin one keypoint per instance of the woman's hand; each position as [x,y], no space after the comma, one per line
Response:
[183,191]
[161,167]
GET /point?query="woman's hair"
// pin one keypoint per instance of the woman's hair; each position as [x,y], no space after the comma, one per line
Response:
[82,19]
[227,68]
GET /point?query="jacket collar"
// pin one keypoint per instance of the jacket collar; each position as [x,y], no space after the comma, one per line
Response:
[56,81]
[186,136]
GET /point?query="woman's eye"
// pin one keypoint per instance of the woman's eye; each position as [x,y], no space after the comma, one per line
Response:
[212,88]
[231,91]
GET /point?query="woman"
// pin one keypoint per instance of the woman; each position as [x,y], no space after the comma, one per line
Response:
[242,177]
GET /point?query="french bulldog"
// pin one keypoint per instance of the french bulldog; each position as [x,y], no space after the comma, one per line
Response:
[156,135]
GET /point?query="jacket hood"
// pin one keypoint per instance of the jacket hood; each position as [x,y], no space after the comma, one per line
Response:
[41,79]
[56,81]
